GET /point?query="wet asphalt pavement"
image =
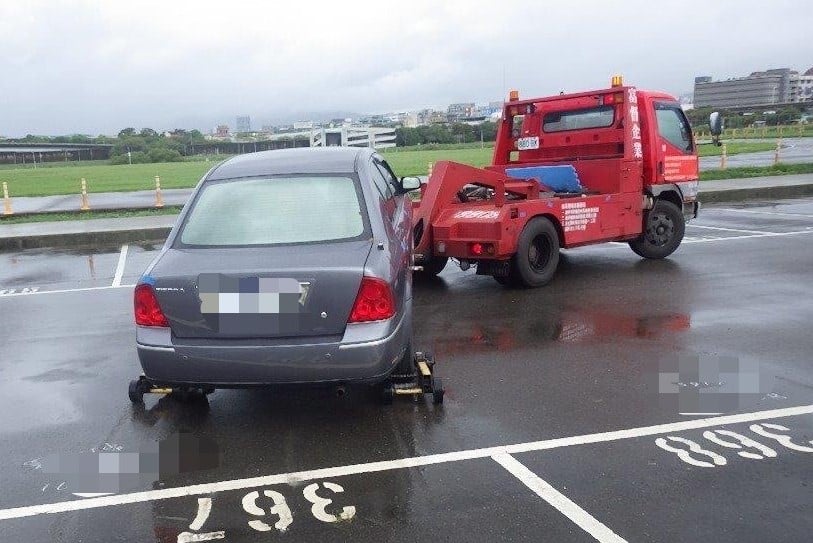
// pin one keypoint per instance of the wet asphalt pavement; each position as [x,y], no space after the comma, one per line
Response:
[614,343]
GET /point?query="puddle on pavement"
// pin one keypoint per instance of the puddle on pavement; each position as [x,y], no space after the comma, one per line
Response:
[569,326]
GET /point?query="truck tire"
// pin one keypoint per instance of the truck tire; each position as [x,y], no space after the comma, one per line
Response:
[537,254]
[664,227]
[433,266]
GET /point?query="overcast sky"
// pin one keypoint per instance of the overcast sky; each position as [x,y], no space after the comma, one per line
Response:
[98,66]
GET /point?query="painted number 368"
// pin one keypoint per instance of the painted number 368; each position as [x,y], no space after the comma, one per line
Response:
[692,453]
[278,516]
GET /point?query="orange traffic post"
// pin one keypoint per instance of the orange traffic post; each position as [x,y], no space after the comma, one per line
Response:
[6,201]
[723,157]
[776,153]
[85,203]
[159,198]
[429,166]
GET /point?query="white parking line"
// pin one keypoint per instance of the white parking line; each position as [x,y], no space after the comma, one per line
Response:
[764,212]
[401,463]
[562,503]
[120,266]
[750,236]
[728,229]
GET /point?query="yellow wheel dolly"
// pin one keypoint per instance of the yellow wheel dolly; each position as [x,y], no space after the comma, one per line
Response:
[138,387]
[421,381]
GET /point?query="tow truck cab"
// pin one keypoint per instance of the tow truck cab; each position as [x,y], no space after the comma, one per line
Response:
[619,140]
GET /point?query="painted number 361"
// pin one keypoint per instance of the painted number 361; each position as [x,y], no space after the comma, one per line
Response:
[692,453]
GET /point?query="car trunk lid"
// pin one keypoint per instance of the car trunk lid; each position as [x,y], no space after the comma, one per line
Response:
[263,292]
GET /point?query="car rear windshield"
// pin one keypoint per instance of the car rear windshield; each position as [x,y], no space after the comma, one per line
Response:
[275,211]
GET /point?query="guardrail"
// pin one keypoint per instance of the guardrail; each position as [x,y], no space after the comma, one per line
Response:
[767,132]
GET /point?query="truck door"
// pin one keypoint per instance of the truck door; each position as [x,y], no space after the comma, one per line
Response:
[676,156]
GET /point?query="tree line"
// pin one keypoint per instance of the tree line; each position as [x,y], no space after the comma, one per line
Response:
[445,133]
[147,145]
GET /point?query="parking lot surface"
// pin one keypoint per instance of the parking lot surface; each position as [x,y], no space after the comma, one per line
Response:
[629,400]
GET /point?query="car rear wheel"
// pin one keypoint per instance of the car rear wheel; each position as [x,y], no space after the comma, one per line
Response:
[664,227]
[537,254]
[406,366]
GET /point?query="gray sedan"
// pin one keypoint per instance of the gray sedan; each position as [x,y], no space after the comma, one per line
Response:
[290,266]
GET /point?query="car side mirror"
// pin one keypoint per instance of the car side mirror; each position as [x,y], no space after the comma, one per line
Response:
[716,126]
[410,183]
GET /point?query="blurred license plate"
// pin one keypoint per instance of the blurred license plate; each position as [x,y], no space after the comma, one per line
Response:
[222,294]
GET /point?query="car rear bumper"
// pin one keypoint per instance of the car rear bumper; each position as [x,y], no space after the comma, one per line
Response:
[367,352]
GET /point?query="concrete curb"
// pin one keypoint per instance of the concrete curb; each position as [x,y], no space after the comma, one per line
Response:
[755,193]
[78,239]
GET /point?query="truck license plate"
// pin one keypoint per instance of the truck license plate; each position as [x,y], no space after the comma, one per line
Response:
[524,144]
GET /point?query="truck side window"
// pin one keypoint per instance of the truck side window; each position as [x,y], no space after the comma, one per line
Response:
[673,126]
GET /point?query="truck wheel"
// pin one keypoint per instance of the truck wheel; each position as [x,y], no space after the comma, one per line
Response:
[537,254]
[663,231]
[433,266]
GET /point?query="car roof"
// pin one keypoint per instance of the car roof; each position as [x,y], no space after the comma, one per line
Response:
[291,161]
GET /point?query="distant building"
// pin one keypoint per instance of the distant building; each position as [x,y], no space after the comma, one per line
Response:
[776,86]
[303,125]
[805,87]
[458,111]
[429,116]
[353,136]
[222,131]
[243,124]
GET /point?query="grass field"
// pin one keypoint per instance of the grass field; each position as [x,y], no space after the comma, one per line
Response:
[61,179]
[756,171]
[103,178]
[414,162]
[735,148]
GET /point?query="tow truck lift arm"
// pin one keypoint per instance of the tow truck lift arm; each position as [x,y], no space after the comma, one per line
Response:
[448,179]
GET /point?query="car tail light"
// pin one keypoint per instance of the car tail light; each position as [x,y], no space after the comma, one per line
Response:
[147,310]
[374,301]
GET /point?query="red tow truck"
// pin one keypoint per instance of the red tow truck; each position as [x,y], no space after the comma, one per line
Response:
[618,164]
